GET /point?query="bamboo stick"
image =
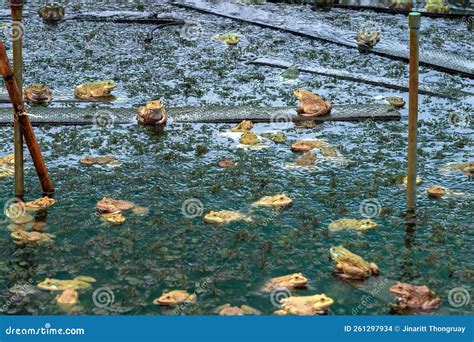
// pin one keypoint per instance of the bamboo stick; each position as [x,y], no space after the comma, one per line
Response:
[25,124]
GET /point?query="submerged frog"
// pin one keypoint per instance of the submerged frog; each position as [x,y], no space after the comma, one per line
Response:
[328,151]
[401,4]
[153,113]
[352,266]
[306,159]
[226,163]
[307,145]
[291,281]
[292,73]
[467,168]
[395,101]
[358,225]
[244,126]
[68,297]
[228,310]
[78,283]
[116,218]
[90,90]
[51,12]
[249,138]
[22,219]
[110,205]
[305,305]
[175,297]
[225,216]
[276,201]
[311,105]
[40,204]
[436,6]
[38,94]
[436,191]
[228,38]
[367,39]
[278,137]
[107,160]
[21,237]
[415,297]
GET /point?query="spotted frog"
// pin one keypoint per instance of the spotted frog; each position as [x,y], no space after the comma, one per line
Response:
[40,204]
[305,305]
[311,105]
[91,90]
[37,94]
[21,237]
[249,138]
[78,283]
[289,282]
[175,297]
[352,266]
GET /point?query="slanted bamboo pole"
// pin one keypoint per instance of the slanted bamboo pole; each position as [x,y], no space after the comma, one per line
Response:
[414,23]
[17,33]
[25,124]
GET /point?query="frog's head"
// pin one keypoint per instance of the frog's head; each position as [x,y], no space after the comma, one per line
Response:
[48,285]
[368,224]
[297,280]
[400,289]
[322,302]
[299,93]
[232,39]
[108,86]
[154,105]
[336,252]
[38,88]
[167,299]
[18,235]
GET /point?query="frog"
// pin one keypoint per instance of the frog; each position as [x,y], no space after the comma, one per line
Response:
[224,163]
[228,38]
[40,204]
[467,168]
[51,13]
[78,283]
[357,225]
[115,218]
[289,282]
[317,304]
[175,297]
[9,159]
[414,297]
[22,219]
[418,180]
[249,138]
[243,126]
[37,94]
[91,90]
[436,191]
[306,159]
[396,101]
[311,105]
[436,6]
[228,310]
[225,216]
[153,113]
[367,39]
[106,160]
[401,4]
[306,123]
[276,201]
[109,205]
[68,297]
[328,151]
[307,145]
[21,237]
[277,138]
[352,266]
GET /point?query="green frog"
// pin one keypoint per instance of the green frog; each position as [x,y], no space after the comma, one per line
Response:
[78,283]
[249,138]
[367,39]
[37,94]
[350,265]
[91,90]
[51,13]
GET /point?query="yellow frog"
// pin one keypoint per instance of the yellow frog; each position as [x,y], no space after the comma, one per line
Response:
[228,310]
[107,160]
[90,90]
[307,145]
[291,281]
[276,201]
[9,159]
[39,204]
[367,39]
[357,225]
[352,266]
[225,216]
[249,138]
[311,105]
[37,93]
[78,283]
[109,205]
[436,6]
[305,305]
[436,191]
[21,237]
[115,218]
[175,297]
[245,125]
[228,38]
[153,113]
[401,4]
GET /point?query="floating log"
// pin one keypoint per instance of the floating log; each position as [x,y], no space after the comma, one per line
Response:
[205,114]
[361,78]
[126,17]
[444,61]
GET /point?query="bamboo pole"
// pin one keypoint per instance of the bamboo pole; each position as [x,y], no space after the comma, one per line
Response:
[24,122]
[414,23]
[17,33]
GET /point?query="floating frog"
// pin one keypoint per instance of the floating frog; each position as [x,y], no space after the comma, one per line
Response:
[311,105]
[22,219]
[249,138]
[38,94]
[175,297]
[401,4]
[418,180]
[51,12]
[78,283]
[225,216]
[153,113]
[244,126]
[395,101]
[228,38]
[226,163]
[278,137]
[68,297]
[367,39]
[352,266]
[110,205]
[415,297]
[436,6]
[107,160]
[91,90]
[436,191]
[357,225]
[9,159]
[306,159]
[21,237]
[306,145]
[276,201]
[467,168]
[228,310]
[305,305]
[289,282]
[116,218]
[40,204]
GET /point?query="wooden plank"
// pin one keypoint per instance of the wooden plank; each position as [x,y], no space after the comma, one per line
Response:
[206,114]
[360,78]
[440,60]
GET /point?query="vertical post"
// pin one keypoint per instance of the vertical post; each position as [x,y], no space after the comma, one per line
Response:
[17,33]
[414,23]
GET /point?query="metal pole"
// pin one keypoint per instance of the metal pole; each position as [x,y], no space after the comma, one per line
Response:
[414,23]
[17,33]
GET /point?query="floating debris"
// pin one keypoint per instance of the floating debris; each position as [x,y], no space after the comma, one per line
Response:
[311,105]
[276,201]
[116,218]
[225,216]
[289,282]
[40,204]
[350,265]
[78,283]
[175,297]
[68,298]
[414,297]
[244,126]
[91,90]
[153,113]
[352,224]
[305,305]
[37,94]
[291,73]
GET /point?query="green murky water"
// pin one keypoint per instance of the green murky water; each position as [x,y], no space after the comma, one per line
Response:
[165,250]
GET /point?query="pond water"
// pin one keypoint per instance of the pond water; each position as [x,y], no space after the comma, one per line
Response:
[165,249]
